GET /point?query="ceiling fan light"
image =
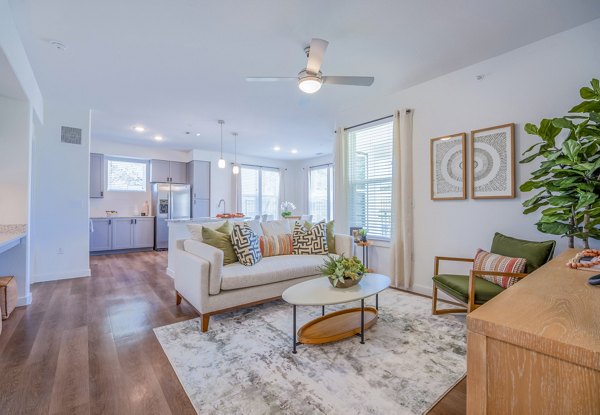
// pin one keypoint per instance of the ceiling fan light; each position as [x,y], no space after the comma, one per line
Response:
[309,84]
[221,163]
[236,169]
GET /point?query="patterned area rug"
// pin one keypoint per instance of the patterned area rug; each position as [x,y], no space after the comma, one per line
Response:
[244,364]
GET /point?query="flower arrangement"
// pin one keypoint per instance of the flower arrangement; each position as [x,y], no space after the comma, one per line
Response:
[343,272]
[287,208]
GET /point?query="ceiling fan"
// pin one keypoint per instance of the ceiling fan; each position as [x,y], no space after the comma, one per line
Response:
[311,79]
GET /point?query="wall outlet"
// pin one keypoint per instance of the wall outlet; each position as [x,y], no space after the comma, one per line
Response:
[60,251]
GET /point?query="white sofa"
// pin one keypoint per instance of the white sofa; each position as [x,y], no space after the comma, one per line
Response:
[211,288]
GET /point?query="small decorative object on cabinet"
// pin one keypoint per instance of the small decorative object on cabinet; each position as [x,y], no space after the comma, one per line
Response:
[354,231]
[493,162]
[448,167]
[286,209]
[343,272]
[588,259]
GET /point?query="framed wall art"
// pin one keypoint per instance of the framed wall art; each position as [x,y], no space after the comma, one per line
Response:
[448,167]
[493,162]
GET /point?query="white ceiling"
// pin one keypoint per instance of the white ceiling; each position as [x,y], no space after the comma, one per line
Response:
[177,66]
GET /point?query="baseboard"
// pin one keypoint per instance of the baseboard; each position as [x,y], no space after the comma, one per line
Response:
[61,275]
[24,300]
[170,272]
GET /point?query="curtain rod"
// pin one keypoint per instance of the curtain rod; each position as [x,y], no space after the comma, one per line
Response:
[320,165]
[262,167]
[369,122]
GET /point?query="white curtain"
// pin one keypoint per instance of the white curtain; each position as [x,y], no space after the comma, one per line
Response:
[402,201]
[341,184]
[236,191]
[282,195]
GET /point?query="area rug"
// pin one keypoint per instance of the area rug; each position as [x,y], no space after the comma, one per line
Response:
[244,364]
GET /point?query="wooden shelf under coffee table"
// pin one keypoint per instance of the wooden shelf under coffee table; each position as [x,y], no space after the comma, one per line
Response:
[340,324]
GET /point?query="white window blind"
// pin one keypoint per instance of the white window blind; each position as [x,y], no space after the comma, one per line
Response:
[260,191]
[370,177]
[320,192]
[126,175]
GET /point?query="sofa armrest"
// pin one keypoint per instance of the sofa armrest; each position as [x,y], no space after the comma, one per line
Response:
[213,256]
[344,245]
[192,279]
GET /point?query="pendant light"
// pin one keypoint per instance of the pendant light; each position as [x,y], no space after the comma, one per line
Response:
[236,168]
[221,162]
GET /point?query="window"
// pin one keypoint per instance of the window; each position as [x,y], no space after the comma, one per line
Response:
[126,175]
[370,177]
[320,192]
[260,191]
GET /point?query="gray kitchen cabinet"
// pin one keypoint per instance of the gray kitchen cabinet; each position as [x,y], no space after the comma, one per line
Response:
[198,173]
[159,171]
[96,175]
[100,235]
[109,234]
[122,233]
[143,232]
[177,172]
[200,208]
[164,171]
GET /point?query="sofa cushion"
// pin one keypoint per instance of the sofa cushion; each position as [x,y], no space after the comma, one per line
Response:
[535,253]
[276,245]
[245,244]
[220,238]
[255,226]
[269,270]
[196,228]
[457,286]
[330,230]
[309,241]
[276,227]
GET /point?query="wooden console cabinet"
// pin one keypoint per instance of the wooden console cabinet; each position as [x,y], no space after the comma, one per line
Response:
[535,348]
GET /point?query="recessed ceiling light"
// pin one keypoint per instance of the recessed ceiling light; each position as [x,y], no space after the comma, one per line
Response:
[276,148]
[197,134]
[139,128]
[294,151]
[158,137]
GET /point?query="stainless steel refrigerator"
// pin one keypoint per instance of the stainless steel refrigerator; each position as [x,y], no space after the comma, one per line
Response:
[169,201]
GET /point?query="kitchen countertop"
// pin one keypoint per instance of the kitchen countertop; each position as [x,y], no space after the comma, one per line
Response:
[10,236]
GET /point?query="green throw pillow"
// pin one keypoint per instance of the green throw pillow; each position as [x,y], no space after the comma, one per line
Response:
[221,238]
[330,231]
[536,253]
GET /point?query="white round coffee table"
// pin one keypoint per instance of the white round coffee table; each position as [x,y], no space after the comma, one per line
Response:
[339,324]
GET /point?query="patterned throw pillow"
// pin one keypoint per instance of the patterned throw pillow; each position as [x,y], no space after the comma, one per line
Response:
[245,244]
[276,245]
[309,241]
[330,231]
[485,261]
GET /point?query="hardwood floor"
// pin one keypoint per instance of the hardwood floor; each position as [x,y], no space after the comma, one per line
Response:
[86,345]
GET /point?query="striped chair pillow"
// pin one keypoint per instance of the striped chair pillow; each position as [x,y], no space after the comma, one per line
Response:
[276,245]
[486,261]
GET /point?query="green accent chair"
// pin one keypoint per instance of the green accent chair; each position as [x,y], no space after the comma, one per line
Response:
[473,291]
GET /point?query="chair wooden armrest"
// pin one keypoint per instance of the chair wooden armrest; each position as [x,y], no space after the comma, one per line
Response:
[437,259]
[472,276]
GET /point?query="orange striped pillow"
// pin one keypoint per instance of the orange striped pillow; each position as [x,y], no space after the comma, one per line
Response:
[485,261]
[276,245]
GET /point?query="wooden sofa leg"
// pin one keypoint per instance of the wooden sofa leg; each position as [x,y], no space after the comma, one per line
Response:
[434,301]
[205,320]
[177,298]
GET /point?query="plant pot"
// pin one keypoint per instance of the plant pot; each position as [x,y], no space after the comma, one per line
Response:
[286,214]
[348,282]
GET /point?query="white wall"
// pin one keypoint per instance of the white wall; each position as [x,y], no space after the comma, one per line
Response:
[60,204]
[525,85]
[127,202]
[14,161]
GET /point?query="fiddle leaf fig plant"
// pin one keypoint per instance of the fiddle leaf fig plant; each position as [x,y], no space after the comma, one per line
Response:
[568,178]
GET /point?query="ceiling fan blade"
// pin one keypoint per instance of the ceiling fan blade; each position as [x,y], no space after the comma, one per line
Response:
[270,78]
[315,55]
[349,80]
